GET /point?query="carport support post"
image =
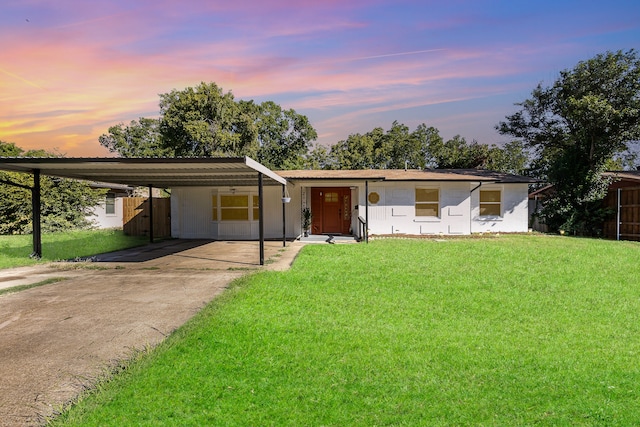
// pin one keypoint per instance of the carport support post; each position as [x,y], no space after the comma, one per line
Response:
[35,215]
[261,217]
[366,211]
[284,217]
[150,214]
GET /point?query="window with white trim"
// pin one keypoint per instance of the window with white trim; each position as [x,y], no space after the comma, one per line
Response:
[110,204]
[427,202]
[256,208]
[234,207]
[490,203]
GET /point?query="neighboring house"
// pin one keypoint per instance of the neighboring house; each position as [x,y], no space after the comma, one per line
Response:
[109,212]
[412,202]
[623,198]
[536,201]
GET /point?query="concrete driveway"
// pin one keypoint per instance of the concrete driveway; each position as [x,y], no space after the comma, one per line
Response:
[56,339]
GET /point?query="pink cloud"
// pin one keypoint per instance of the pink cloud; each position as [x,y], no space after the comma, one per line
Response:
[114,86]
[78,67]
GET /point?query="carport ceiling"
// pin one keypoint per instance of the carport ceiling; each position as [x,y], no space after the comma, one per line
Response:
[155,172]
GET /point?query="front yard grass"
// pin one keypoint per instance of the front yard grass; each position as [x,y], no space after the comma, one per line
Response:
[508,331]
[15,249]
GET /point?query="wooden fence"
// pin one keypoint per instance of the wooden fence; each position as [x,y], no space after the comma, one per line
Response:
[135,211]
[629,200]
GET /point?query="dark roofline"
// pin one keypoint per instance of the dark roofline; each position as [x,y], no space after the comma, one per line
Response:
[142,171]
[18,161]
[430,175]
[23,159]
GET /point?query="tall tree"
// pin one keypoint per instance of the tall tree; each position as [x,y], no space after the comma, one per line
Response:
[205,121]
[401,148]
[318,157]
[357,151]
[141,138]
[575,128]
[396,148]
[512,157]
[65,203]
[456,153]
[430,139]
[284,136]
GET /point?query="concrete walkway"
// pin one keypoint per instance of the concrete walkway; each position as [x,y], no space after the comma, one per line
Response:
[56,339]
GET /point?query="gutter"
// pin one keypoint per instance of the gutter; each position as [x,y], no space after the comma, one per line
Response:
[476,187]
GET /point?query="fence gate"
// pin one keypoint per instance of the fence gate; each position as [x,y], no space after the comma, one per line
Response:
[135,212]
[629,214]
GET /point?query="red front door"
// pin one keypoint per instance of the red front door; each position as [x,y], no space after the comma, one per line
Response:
[331,210]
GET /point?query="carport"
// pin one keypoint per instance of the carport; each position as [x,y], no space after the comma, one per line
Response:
[151,173]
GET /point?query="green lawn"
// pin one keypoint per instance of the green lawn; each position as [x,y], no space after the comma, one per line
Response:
[507,331]
[15,250]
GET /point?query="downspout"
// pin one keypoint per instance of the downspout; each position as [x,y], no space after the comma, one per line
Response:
[366,211]
[471,206]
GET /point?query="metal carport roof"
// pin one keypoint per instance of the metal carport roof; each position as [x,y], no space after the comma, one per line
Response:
[155,172]
[148,172]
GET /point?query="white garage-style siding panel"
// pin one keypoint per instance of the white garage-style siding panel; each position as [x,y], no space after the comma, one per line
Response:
[395,213]
[191,213]
[193,217]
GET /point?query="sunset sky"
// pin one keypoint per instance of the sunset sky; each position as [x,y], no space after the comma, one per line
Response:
[70,69]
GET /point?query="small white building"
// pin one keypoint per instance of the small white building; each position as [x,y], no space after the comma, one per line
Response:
[412,202]
[109,213]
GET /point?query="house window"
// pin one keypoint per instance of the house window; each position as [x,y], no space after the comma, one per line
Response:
[427,202]
[256,208]
[110,204]
[214,208]
[490,203]
[234,207]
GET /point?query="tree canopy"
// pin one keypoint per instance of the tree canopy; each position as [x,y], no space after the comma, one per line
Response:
[284,136]
[399,147]
[65,203]
[204,121]
[140,138]
[576,128]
